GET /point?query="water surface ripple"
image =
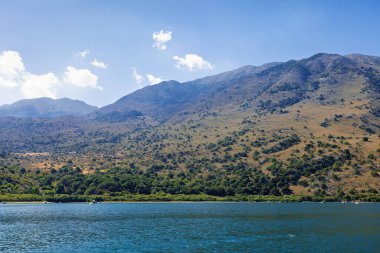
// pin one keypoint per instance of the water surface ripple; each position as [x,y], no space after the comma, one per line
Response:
[190,227]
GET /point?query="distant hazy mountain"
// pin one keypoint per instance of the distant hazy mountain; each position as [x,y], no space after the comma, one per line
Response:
[46,108]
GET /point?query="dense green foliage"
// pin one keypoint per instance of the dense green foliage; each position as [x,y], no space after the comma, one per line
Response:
[235,181]
[64,198]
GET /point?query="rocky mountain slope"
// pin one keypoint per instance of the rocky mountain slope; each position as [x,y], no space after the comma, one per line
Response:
[270,87]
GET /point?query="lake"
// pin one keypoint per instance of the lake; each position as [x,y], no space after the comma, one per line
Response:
[190,227]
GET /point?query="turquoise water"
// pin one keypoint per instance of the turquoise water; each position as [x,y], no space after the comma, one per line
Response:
[190,227]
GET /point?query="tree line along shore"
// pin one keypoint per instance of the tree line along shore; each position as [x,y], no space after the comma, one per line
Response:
[161,197]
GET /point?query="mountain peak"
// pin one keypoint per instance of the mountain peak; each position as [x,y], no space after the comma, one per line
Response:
[45,107]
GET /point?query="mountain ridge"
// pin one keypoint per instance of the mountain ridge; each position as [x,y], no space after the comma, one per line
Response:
[46,108]
[167,98]
[195,87]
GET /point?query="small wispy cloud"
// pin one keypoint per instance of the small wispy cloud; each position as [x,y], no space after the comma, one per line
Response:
[161,38]
[99,64]
[138,78]
[153,79]
[84,53]
[192,62]
[148,79]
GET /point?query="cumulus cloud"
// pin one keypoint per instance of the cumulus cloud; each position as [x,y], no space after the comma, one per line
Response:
[82,78]
[35,86]
[11,69]
[138,78]
[84,53]
[18,83]
[153,79]
[192,62]
[14,77]
[99,64]
[161,38]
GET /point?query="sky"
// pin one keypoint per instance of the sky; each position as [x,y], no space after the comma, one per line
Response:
[99,51]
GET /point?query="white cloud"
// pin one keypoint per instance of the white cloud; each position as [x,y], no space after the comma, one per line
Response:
[153,79]
[18,83]
[99,64]
[35,86]
[82,78]
[11,69]
[192,62]
[14,77]
[138,78]
[84,53]
[161,38]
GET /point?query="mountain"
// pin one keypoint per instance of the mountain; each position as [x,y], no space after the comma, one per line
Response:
[163,100]
[46,108]
[269,87]
[308,127]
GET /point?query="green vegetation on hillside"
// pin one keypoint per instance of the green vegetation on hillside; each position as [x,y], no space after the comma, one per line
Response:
[300,128]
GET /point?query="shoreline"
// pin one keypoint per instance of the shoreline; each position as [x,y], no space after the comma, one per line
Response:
[185,202]
[159,198]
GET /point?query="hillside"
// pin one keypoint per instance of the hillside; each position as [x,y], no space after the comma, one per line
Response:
[266,88]
[309,127]
[170,98]
[46,108]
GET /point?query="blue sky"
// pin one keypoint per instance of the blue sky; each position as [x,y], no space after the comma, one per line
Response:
[41,41]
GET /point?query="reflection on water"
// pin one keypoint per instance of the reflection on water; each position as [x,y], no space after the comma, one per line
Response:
[189,227]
